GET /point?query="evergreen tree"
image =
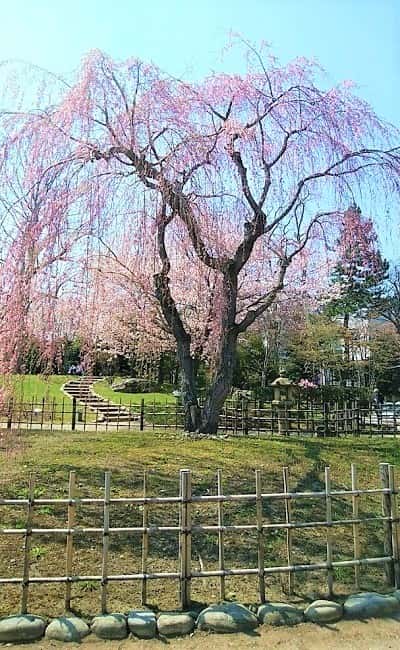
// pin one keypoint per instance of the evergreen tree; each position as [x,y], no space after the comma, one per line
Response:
[360,271]
[387,304]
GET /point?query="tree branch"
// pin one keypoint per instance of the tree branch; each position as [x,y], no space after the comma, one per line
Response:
[161,284]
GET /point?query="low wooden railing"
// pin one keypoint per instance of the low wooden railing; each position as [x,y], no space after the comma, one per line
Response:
[385,522]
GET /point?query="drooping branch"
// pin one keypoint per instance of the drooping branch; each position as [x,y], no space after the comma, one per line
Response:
[172,195]
[266,300]
[393,153]
[257,224]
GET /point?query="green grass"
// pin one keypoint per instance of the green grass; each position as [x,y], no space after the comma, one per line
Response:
[36,387]
[29,391]
[103,389]
[51,456]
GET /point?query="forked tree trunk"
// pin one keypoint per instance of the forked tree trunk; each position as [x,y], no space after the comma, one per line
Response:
[206,419]
[220,387]
[188,367]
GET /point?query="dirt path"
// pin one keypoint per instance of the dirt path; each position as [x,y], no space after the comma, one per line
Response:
[346,635]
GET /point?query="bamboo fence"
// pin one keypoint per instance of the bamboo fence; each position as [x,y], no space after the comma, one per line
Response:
[238,418]
[386,522]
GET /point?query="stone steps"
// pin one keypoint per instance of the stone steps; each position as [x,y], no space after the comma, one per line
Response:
[107,411]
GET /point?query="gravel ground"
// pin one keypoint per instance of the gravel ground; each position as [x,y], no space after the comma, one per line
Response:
[346,635]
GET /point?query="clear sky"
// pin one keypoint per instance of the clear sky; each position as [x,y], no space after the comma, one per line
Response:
[352,39]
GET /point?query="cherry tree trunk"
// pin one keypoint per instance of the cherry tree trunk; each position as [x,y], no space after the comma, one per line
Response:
[220,387]
[188,367]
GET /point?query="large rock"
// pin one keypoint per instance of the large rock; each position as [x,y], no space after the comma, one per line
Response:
[18,629]
[134,386]
[227,618]
[110,626]
[277,614]
[142,624]
[67,628]
[175,624]
[371,605]
[324,611]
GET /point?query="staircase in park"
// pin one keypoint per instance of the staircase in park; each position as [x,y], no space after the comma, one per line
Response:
[81,389]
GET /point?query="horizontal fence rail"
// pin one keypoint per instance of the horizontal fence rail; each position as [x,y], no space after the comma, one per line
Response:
[382,516]
[238,418]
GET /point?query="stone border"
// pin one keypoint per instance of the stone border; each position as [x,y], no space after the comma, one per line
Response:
[222,618]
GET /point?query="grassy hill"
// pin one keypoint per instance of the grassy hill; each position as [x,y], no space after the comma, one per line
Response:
[103,389]
[50,457]
[28,388]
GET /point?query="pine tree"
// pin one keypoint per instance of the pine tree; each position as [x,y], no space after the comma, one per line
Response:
[360,271]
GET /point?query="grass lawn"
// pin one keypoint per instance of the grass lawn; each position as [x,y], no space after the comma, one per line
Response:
[103,389]
[50,456]
[28,388]
[36,387]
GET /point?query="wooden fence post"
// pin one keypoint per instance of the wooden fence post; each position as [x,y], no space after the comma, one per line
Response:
[325,407]
[106,541]
[221,551]
[141,422]
[245,417]
[329,555]
[27,548]
[185,537]
[286,412]
[356,527]
[288,518]
[395,526]
[357,407]
[70,541]
[9,414]
[145,540]
[260,537]
[73,419]
[387,524]
[42,414]
[392,425]
[336,417]
[53,413]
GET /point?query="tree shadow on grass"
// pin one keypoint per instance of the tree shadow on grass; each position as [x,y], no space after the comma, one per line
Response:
[241,547]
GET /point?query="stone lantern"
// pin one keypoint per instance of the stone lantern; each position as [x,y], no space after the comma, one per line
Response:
[284,392]
[284,397]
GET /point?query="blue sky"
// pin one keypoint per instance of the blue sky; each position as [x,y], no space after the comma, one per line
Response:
[352,39]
